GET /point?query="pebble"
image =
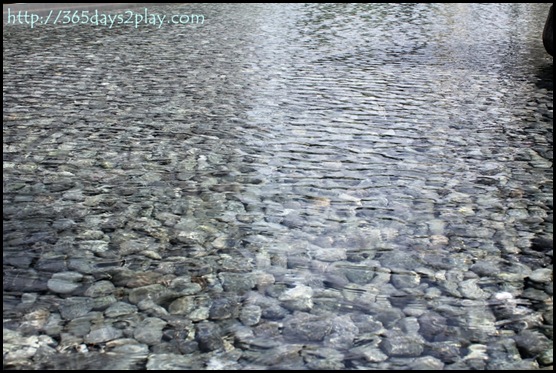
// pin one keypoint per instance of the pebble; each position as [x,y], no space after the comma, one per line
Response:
[103,334]
[400,346]
[298,298]
[118,309]
[65,282]
[208,336]
[149,331]
[541,275]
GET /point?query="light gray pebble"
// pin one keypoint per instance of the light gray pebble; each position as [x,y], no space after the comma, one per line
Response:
[152,307]
[119,309]
[100,288]
[237,283]
[74,307]
[65,282]
[250,314]
[323,358]
[94,246]
[299,298]
[152,292]
[426,363]
[103,334]
[161,362]
[306,327]
[103,302]
[182,306]
[369,352]
[541,275]
[224,308]
[405,280]
[402,346]
[471,290]
[149,331]
[342,333]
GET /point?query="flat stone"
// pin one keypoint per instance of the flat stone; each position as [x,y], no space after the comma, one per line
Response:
[208,336]
[541,275]
[103,334]
[306,327]
[120,309]
[65,282]
[250,314]
[402,346]
[149,331]
[100,288]
[298,298]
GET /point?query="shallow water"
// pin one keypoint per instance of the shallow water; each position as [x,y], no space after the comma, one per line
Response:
[302,186]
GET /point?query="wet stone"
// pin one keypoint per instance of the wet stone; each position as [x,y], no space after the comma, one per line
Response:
[328,254]
[324,359]
[432,325]
[63,224]
[27,281]
[119,309]
[100,288]
[65,282]
[161,362]
[541,275]
[402,346]
[104,333]
[103,302]
[130,349]
[182,306]
[547,357]
[94,246]
[470,289]
[298,298]
[149,331]
[51,263]
[238,283]
[342,333]
[485,268]
[53,325]
[388,316]
[359,274]
[81,326]
[285,357]
[426,363]
[406,280]
[305,327]
[224,308]
[250,314]
[532,343]
[208,336]
[146,292]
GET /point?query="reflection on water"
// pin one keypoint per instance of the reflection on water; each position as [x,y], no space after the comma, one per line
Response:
[319,186]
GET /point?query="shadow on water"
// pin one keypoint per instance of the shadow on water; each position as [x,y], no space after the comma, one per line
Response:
[545,76]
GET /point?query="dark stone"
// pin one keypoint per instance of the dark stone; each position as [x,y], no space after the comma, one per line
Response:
[24,281]
[532,343]
[447,351]
[208,336]
[306,327]
[224,308]
[542,244]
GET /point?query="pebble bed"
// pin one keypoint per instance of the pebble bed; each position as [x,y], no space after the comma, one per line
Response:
[302,186]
